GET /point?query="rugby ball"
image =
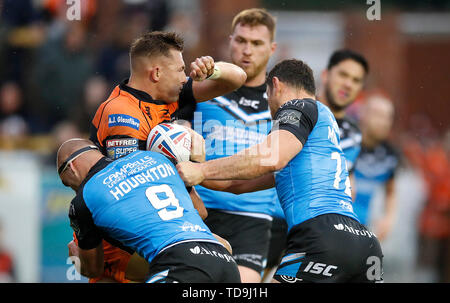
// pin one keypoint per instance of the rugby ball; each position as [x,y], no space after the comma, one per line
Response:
[171,140]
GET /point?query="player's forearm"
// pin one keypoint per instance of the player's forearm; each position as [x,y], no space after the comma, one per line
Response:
[231,76]
[390,200]
[237,167]
[241,186]
[228,78]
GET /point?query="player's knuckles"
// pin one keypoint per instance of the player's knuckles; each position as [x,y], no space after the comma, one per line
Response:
[201,65]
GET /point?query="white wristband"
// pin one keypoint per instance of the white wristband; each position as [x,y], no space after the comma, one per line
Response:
[215,74]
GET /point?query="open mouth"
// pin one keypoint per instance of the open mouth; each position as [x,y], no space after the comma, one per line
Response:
[246,62]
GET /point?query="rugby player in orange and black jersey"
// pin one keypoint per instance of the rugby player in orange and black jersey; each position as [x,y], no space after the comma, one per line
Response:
[122,123]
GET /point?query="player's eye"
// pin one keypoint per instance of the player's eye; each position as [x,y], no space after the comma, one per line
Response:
[343,74]
[357,80]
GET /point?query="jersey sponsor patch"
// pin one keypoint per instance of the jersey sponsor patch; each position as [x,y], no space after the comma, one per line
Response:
[290,116]
[123,120]
[116,148]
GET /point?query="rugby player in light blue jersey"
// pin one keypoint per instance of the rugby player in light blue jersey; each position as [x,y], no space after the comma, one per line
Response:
[302,157]
[139,203]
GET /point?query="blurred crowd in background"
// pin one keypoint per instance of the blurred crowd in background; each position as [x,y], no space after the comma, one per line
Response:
[55,72]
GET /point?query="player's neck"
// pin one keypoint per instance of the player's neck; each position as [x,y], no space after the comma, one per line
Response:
[136,83]
[258,80]
[368,141]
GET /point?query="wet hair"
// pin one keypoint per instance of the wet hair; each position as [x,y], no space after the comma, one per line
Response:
[295,73]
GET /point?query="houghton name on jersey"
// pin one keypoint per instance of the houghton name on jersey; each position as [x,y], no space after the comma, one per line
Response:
[229,124]
[315,181]
[137,202]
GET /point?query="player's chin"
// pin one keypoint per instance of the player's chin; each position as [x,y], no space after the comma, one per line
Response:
[172,99]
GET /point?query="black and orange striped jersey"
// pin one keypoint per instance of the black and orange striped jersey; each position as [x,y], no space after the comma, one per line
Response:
[122,123]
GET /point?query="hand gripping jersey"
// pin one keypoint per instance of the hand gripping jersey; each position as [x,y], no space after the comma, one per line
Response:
[373,169]
[315,181]
[138,202]
[350,137]
[229,124]
[122,123]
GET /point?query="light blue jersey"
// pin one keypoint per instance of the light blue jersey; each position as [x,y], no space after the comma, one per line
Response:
[230,124]
[315,181]
[374,167]
[138,200]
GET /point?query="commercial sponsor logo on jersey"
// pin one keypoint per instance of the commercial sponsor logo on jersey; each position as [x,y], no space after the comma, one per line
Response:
[289,279]
[116,148]
[250,103]
[252,258]
[290,117]
[203,251]
[346,205]
[123,120]
[358,232]
[320,269]
[188,226]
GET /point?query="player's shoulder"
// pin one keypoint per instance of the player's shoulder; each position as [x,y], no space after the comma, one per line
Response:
[391,149]
[349,123]
[120,103]
[303,105]
[297,108]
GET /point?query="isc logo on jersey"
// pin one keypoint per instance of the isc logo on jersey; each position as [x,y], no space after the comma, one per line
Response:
[171,140]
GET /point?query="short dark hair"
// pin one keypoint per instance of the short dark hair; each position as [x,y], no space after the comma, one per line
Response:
[295,73]
[344,54]
[156,43]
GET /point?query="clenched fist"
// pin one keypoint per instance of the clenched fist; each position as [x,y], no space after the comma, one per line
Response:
[190,172]
[202,68]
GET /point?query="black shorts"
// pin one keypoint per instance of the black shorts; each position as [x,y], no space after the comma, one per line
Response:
[331,248]
[278,242]
[248,236]
[194,262]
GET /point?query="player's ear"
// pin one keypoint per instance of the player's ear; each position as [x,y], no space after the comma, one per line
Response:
[73,169]
[154,74]
[324,76]
[273,47]
[276,85]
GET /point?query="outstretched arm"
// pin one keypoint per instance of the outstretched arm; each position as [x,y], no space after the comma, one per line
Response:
[250,163]
[224,78]
[241,186]
[384,225]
